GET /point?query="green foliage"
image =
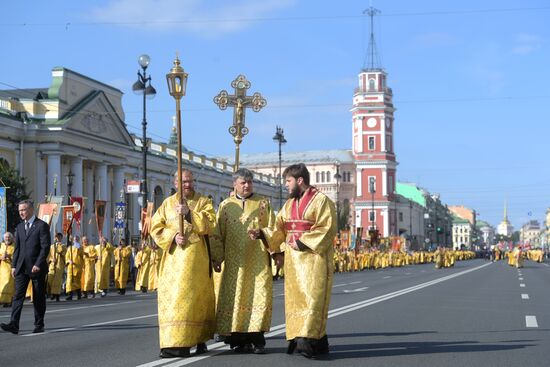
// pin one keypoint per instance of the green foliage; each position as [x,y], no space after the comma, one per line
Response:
[16,191]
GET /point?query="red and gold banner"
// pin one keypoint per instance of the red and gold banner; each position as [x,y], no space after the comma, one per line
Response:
[46,211]
[68,216]
[78,204]
[100,215]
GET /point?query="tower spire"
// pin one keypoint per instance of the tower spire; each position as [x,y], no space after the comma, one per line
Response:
[372,59]
[173,135]
[505,210]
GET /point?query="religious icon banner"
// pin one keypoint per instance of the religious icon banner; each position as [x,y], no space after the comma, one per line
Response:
[3,211]
[68,216]
[100,215]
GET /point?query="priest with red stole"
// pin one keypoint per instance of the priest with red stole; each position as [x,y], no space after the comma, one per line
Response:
[306,225]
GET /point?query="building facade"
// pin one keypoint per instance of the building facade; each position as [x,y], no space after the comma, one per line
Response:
[76,126]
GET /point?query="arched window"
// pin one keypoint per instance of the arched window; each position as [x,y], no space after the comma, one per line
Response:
[371,85]
[323,176]
[328,176]
[317,177]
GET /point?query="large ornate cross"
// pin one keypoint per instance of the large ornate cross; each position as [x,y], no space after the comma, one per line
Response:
[240,101]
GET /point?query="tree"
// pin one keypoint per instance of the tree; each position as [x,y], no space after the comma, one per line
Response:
[343,215]
[17,191]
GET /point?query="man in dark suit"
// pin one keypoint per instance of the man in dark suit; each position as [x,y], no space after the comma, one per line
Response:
[32,245]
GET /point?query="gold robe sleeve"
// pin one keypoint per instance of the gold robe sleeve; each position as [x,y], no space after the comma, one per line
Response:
[323,231]
[162,233]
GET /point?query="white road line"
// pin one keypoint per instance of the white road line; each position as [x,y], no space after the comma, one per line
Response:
[354,282]
[84,307]
[215,349]
[92,325]
[531,321]
[408,273]
[279,295]
[339,285]
[355,290]
[520,278]
[386,277]
[524,296]
[522,285]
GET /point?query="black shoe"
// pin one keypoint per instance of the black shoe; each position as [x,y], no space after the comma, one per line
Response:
[245,348]
[259,350]
[10,328]
[57,298]
[52,297]
[201,349]
[291,346]
[70,298]
[174,353]
[6,305]
[219,338]
[38,329]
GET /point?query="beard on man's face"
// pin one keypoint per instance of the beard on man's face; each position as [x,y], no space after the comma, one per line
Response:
[294,192]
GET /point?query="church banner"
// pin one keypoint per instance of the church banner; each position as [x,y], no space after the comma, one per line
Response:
[120,215]
[3,211]
[100,215]
[78,204]
[46,212]
[68,216]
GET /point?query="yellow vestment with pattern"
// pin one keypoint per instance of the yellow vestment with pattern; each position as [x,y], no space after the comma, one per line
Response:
[74,262]
[103,266]
[7,282]
[185,289]
[122,266]
[309,271]
[154,264]
[142,263]
[88,274]
[56,268]
[245,298]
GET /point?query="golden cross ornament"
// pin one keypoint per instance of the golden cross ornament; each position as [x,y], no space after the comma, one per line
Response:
[240,101]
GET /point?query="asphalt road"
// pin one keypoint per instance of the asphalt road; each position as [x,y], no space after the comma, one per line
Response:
[475,314]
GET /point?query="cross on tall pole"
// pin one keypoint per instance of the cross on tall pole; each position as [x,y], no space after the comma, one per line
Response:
[240,101]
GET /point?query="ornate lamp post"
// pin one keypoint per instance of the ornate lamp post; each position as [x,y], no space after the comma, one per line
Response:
[240,101]
[280,138]
[141,87]
[177,83]
[70,178]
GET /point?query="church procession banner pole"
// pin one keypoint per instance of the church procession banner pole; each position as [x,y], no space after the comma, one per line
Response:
[3,210]
[177,83]
[240,101]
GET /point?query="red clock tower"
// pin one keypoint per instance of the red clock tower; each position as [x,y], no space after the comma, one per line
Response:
[373,127]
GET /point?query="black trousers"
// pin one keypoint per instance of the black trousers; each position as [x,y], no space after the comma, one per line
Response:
[240,339]
[38,297]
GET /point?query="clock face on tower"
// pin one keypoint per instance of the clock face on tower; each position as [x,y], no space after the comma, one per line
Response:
[388,123]
[371,122]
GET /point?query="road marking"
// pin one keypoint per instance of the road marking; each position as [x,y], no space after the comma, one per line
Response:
[520,278]
[280,295]
[524,296]
[217,348]
[355,290]
[354,282]
[545,264]
[92,325]
[386,277]
[408,273]
[531,321]
[339,285]
[522,285]
[83,307]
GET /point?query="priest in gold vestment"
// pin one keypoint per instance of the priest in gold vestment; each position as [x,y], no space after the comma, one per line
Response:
[56,267]
[89,254]
[7,282]
[143,266]
[245,301]
[307,225]
[122,256]
[103,266]
[75,264]
[185,289]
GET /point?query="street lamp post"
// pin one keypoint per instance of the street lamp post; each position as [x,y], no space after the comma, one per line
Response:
[280,138]
[143,86]
[372,191]
[70,178]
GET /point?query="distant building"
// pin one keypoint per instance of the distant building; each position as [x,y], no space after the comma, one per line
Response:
[462,233]
[530,233]
[505,228]
[487,233]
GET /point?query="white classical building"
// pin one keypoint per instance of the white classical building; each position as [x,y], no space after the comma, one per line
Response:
[77,126]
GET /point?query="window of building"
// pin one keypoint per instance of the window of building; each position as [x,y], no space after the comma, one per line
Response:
[371,143]
[318,177]
[328,176]
[372,184]
[372,215]
[323,176]
[372,85]
[390,184]
[401,216]
[388,143]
